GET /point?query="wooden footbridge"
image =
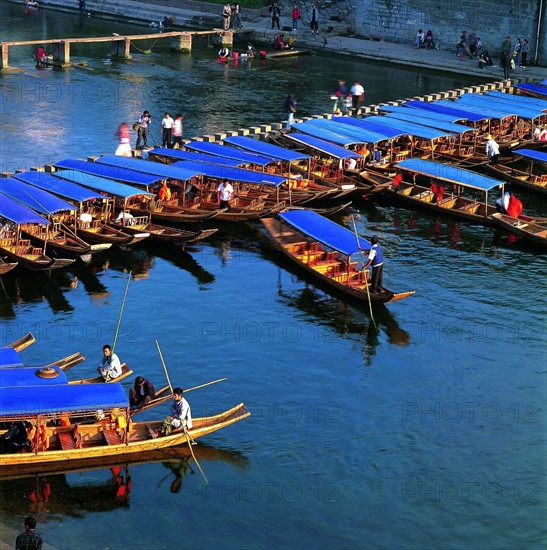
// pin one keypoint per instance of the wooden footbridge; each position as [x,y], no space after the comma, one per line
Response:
[121,44]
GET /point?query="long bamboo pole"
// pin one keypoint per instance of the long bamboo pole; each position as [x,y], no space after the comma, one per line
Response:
[121,312]
[188,438]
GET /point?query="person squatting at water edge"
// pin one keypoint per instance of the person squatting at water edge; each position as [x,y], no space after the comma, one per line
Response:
[142,393]
[181,415]
[376,258]
[110,367]
[223,53]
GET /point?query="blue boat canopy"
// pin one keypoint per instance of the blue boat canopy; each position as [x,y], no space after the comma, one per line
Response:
[409,128]
[323,146]
[18,213]
[29,376]
[447,110]
[438,124]
[66,189]
[534,154]
[9,358]
[422,113]
[385,131]
[451,174]
[233,174]
[149,167]
[179,154]
[325,231]
[216,149]
[511,108]
[525,101]
[110,172]
[39,200]
[110,187]
[364,135]
[28,401]
[485,112]
[321,133]
[263,148]
[535,88]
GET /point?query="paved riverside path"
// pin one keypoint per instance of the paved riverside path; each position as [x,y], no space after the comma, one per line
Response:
[333,42]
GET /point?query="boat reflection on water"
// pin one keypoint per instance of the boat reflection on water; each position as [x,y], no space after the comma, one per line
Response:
[345,319]
[100,485]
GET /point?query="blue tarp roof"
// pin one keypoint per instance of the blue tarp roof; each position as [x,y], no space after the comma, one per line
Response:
[18,213]
[448,173]
[110,172]
[447,110]
[484,111]
[111,187]
[9,357]
[386,131]
[325,231]
[178,154]
[234,174]
[216,149]
[323,146]
[362,134]
[409,128]
[27,401]
[525,101]
[503,106]
[39,200]
[28,376]
[534,154]
[149,167]
[535,88]
[432,123]
[422,113]
[66,189]
[263,148]
[321,133]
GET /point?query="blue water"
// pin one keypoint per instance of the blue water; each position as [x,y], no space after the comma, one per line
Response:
[429,433]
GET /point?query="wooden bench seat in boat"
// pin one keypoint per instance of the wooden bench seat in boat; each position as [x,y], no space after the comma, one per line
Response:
[71,439]
[471,207]
[111,437]
[422,195]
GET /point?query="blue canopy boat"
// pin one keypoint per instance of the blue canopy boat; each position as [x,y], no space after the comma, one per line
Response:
[266,149]
[9,357]
[164,154]
[527,168]
[446,189]
[53,444]
[534,90]
[16,217]
[31,376]
[242,157]
[330,252]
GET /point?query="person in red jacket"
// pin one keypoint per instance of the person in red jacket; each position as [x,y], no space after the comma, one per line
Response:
[515,207]
[296,15]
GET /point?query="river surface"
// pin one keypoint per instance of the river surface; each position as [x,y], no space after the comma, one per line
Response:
[428,433]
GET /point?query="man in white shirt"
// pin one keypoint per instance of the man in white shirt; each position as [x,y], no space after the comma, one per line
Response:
[225,192]
[110,367]
[492,150]
[85,219]
[166,126]
[357,95]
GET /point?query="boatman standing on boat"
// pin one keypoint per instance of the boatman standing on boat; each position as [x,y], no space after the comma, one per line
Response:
[376,258]
[181,415]
[110,367]
[225,192]
[492,150]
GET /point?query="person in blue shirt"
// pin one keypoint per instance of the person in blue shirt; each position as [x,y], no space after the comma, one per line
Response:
[376,258]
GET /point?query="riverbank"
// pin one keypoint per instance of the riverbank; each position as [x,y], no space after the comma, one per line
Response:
[333,42]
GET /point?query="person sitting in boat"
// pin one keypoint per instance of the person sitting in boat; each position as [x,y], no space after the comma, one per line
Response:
[164,194]
[41,55]
[543,134]
[110,367]
[15,439]
[438,192]
[181,415]
[85,219]
[514,209]
[142,393]
[376,258]
[351,163]
[279,43]
[502,204]
[225,192]
[125,218]
[251,51]
[223,53]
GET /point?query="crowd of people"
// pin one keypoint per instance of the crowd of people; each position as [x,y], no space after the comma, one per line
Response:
[231,16]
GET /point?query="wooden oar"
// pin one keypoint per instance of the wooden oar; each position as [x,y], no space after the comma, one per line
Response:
[367,284]
[208,384]
[121,312]
[188,438]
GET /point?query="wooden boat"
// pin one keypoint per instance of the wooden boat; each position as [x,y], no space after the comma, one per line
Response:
[6,266]
[23,343]
[285,53]
[530,231]
[534,180]
[68,362]
[52,445]
[325,249]
[162,233]
[100,232]
[126,372]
